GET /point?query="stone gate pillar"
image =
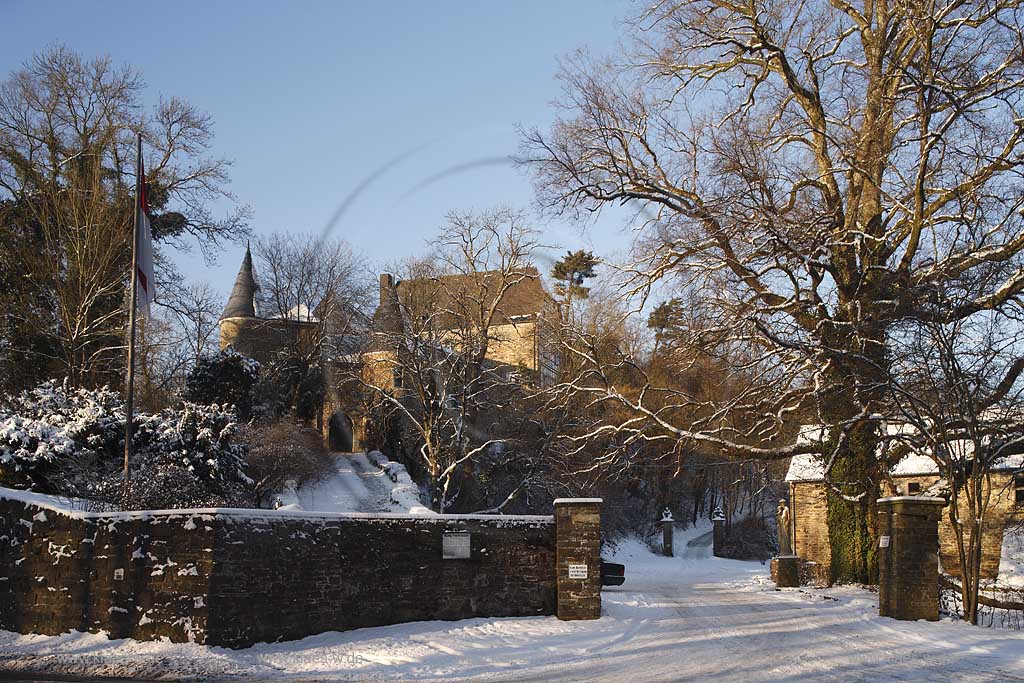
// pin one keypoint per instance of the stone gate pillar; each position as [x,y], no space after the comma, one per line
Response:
[908,557]
[718,533]
[578,557]
[667,525]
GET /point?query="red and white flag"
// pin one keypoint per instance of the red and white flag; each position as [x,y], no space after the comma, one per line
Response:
[146,283]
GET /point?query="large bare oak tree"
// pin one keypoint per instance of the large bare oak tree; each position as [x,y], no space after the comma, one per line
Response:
[815,172]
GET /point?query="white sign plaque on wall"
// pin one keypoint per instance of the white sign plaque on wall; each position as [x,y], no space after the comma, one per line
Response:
[577,571]
[883,541]
[455,545]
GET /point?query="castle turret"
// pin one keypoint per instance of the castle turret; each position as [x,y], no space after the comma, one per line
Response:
[239,326]
[380,357]
[241,303]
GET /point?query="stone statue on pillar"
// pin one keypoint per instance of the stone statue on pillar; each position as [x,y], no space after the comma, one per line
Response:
[782,518]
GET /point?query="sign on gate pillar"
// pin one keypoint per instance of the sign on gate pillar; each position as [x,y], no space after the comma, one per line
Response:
[578,557]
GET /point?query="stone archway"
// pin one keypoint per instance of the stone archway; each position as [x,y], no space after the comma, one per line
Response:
[339,433]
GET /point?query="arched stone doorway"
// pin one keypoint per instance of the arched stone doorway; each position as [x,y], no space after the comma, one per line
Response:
[339,433]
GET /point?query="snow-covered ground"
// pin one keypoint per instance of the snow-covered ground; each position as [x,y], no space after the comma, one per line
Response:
[674,619]
[358,484]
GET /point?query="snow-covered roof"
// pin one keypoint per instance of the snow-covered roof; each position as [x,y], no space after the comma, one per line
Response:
[805,467]
[810,467]
[298,312]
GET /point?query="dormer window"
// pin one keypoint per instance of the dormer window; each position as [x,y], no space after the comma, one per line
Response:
[913,488]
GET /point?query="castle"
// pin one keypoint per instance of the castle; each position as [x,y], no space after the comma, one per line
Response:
[260,337]
[522,320]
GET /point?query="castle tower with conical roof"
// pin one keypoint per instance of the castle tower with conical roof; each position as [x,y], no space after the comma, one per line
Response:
[262,338]
[239,326]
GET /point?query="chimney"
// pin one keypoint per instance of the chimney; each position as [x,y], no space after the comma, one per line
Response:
[387,285]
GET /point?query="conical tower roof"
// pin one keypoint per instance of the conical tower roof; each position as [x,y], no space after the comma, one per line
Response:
[241,302]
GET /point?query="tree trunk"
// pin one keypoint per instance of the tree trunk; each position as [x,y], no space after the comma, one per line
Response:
[968,525]
[851,512]
[851,525]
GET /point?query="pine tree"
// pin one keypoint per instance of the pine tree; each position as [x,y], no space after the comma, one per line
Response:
[571,271]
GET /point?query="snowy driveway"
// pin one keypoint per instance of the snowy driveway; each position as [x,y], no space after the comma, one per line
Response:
[356,485]
[674,620]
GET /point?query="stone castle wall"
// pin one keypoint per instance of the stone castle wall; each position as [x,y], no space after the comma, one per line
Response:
[514,344]
[237,577]
[263,339]
[810,527]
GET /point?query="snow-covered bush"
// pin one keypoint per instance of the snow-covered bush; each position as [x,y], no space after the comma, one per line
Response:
[224,377]
[49,433]
[55,439]
[201,437]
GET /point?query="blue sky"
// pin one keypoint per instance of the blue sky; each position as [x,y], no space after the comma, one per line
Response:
[310,98]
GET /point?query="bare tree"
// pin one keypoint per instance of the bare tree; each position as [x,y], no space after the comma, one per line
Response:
[959,399]
[67,167]
[322,286]
[431,364]
[302,277]
[813,172]
[172,340]
[614,371]
[77,264]
[162,362]
[195,308]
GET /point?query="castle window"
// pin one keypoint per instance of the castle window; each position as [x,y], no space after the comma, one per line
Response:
[913,487]
[1018,485]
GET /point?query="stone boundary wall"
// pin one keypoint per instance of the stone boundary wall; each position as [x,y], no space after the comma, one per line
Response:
[238,577]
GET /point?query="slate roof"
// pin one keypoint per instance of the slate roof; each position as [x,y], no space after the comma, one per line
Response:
[241,303]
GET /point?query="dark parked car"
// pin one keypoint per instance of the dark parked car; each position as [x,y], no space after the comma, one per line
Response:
[612,573]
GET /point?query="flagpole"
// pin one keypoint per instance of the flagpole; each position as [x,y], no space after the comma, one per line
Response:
[133,296]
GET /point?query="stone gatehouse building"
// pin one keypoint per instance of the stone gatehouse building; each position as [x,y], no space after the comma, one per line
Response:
[913,475]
